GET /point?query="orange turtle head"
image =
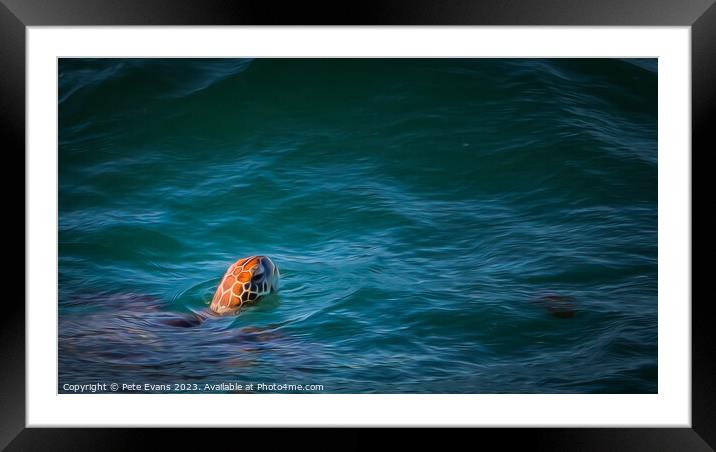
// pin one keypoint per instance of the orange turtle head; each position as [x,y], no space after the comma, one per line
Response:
[245,281]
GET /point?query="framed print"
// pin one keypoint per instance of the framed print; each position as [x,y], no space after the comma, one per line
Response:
[465,216]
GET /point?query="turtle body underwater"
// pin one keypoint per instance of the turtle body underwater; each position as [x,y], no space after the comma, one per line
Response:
[245,281]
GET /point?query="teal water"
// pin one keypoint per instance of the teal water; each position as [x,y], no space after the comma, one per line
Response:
[441,226]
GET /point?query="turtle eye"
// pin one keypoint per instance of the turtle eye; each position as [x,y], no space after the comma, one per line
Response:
[257,277]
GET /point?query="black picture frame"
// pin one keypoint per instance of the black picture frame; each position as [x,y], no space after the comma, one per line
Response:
[16,15]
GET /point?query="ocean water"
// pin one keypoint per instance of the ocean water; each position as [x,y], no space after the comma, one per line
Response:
[441,225]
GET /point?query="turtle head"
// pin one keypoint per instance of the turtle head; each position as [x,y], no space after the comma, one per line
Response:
[264,277]
[245,281]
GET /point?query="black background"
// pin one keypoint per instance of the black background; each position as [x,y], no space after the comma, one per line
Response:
[15,15]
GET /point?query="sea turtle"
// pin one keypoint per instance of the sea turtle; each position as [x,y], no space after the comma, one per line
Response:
[246,280]
[102,330]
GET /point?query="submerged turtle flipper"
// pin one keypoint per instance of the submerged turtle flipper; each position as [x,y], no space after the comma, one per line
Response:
[186,321]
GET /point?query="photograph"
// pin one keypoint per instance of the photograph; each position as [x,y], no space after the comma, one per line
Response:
[357,225]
